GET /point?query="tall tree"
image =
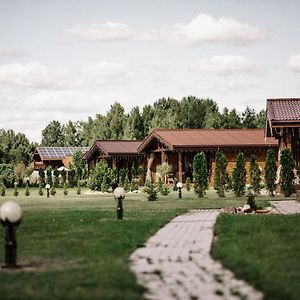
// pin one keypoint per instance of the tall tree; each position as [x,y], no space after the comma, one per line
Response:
[261,119]
[72,134]
[270,172]
[220,176]
[230,119]
[249,118]
[200,174]
[116,119]
[134,128]
[239,176]
[287,175]
[53,135]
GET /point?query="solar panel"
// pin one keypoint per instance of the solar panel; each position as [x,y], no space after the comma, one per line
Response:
[59,152]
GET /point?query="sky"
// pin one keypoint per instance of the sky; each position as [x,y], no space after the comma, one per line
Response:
[67,60]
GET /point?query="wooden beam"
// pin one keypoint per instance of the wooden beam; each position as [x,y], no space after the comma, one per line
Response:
[180,166]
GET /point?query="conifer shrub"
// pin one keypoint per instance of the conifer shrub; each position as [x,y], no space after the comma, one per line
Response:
[41,192]
[220,176]
[160,185]
[165,191]
[255,175]
[134,186]
[104,186]
[188,184]
[65,189]
[126,183]
[287,175]
[270,172]
[200,174]
[2,190]
[239,176]
[151,191]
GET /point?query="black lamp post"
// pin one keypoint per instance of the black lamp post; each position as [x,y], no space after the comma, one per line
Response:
[119,193]
[48,189]
[10,215]
[179,186]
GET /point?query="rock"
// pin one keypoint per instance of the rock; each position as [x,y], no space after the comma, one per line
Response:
[246,208]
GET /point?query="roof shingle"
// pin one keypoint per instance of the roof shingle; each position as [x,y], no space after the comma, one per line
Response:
[283,109]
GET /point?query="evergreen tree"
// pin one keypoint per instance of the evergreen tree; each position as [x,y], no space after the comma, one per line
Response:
[104,186]
[175,188]
[53,135]
[49,175]
[41,176]
[220,178]
[287,175]
[160,185]
[56,178]
[255,175]
[2,190]
[65,189]
[239,176]
[270,172]
[249,118]
[188,184]
[151,191]
[200,174]
[41,192]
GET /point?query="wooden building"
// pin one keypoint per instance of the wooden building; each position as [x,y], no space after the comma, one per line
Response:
[179,146]
[55,157]
[283,123]
[117,153]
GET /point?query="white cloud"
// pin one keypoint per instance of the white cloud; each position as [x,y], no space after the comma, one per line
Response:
[207,29]
[104,73]
[10,53]
[35,75]
[225,64]
[108,31]
[294,62]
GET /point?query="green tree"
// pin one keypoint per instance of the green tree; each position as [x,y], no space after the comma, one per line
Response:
[27,191]
[163,170]
[41,176]
[230,119]
[72,133]
[200,174]
[79,164]
[239,176]
[270,172]
[188,184]
[255,175]
[249,118]
[116,119]
[53,135]
[49,175]
[134,128]
[287,175]
[220,176]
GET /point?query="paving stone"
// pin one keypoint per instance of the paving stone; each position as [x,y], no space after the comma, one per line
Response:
[176,263]
[287,207]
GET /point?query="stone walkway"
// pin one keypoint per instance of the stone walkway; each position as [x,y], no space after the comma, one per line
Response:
[176,263]
[287,207]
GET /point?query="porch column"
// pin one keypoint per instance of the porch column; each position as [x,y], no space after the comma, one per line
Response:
[163,156]
[114,163]
[180,166]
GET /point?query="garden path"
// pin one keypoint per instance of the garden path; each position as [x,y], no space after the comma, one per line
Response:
[176,263]
[287,207]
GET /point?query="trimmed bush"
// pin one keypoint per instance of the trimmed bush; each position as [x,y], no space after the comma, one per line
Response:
[239,176]
[270,172]
[200,174]
[287,175]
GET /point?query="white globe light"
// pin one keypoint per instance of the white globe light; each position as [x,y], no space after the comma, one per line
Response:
[179,185]
[47,186]
[119,192]
[10,211]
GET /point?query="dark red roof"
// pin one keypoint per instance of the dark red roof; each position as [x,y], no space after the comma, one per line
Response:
[114,148]
[283,110]
[209,138]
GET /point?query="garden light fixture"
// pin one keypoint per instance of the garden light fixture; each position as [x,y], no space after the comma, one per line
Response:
[119,193]
[179,186]
[10,216]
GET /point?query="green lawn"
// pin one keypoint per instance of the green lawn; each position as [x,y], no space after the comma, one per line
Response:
[79,250]
[263,250]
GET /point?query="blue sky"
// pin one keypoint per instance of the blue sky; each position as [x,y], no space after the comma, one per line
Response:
[67,60]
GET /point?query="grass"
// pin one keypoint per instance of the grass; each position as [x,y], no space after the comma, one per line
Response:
[263,250]
[79,250]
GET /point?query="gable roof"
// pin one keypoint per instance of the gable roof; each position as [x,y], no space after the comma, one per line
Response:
[57,153]
[175,139]
[114,148]
[283,110]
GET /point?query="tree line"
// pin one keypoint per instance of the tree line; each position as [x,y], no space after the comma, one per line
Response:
[16,150]
[189,112]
